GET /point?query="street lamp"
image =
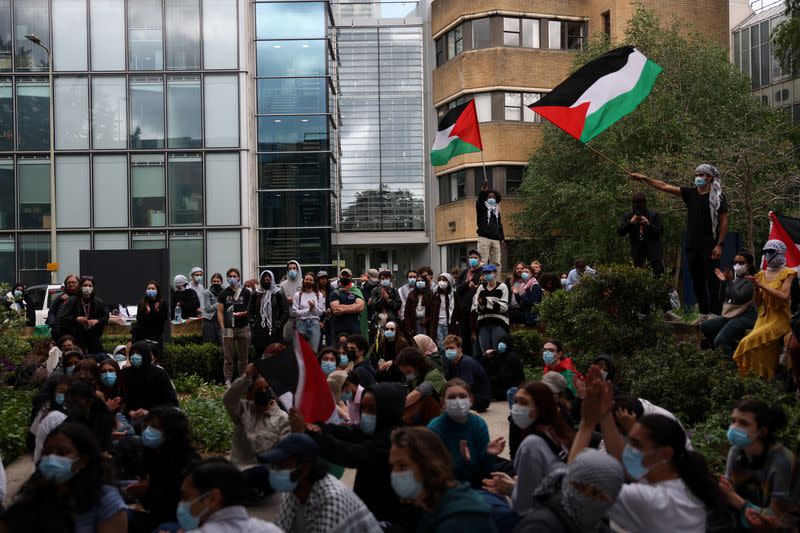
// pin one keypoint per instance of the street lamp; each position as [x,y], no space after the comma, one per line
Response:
[32,37]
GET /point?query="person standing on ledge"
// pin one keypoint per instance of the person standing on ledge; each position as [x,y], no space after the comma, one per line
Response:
[707,227]
[490,227]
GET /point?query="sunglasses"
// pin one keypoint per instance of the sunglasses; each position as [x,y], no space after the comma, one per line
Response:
[740,262]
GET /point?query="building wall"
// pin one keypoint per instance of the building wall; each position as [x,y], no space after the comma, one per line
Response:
[455,222]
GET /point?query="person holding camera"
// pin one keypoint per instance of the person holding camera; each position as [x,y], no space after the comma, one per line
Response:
[643,228]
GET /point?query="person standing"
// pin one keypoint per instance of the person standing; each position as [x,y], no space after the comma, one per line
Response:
[490,227]
[151,316]
[185,298]
[706,229]
[292,283]
[211,331]
[444,311]
[468,281]
[308,306]
[418,311]
[84,317]
[71,284]
[346,306]
[643,228]
[196,284]
[268,312]
[405,289]
[232,315]
[384,303]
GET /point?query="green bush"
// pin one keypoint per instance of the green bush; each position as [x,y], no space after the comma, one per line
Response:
[205,360]
[528,345]
[187,383]
[15,407]
[210,427]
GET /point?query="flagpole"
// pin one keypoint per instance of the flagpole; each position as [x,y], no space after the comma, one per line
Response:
[483,163]
[601,154]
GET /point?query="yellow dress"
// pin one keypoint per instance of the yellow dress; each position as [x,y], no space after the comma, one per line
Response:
[758,351]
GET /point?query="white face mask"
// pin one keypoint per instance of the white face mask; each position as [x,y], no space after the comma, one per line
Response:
[521,416]
[443,284]
[740,270]
[86,291]
[457,408]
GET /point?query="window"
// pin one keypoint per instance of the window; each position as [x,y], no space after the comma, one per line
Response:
[288,20]
[6,115]
[69,246]
[72,191]
[183,34]
[481,33]
[185,252]
[6,195]
[513,102]
[224,250]
[511,31]
[527,114]
[479,178]
[306,245]
[746,51]
[110,241]
[280,96]
[33,114]
[458,181]
[220,31]
[606,22]
[34,193]
[440,59]
[483,105]
[148,202]
[221,111]
[291,58]
[755,57]
[530,33]
[69,35]
[72,112]
[765,55]
[31,16]
[444,189]
[148,241]
[514,176]
[147,112]
[34,254]
[223,200]
[737,49]
[7,259]
[292,133]
[6,44]
[293,171]
[575,34]
[109,112]
[108,34]
[185,190]
[183,112]
[554,34]
[455,42]
[144,35]
[293,209]
[110,189]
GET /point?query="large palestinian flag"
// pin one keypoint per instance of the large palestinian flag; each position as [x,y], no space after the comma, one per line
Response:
[600,93]
[458,134]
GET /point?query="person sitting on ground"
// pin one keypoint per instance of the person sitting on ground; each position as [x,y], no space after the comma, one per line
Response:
[83,407]
[422,474]
[575,275]
[628,409]
[465,435]
[111,390]
[429,349]
[357,349]
[313,501]
[32,373]
[424,383]
[383,354]
[459,365]
[352,394]
[211,501]
[503,367]
[335,381]
[146,385]
[558,385]
[51,414]
[554,361]
[68,491]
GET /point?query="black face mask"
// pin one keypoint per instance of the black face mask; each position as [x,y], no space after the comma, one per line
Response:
[351,355]
[308,285]
[262,397]
[266,284]
[345,282]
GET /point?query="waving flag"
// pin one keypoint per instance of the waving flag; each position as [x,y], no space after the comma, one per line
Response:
[786,230]
[458,134]
[600,93]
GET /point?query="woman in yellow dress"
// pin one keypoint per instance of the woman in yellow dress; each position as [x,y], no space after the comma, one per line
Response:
[758,351]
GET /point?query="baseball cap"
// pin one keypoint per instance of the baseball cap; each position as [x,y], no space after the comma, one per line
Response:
[322,274]
[297,445]
[347,271]
[489,268]
[556,382]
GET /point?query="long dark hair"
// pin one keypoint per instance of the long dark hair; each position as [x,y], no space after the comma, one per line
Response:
[431,456]
[772,418]
[119,386]
[751,261]
[548,418]
[411,356]
[691,466]
[175,426]
[144,301]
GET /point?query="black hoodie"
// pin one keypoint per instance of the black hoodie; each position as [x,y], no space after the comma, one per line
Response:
[148,385]
[350,447]
[504,369]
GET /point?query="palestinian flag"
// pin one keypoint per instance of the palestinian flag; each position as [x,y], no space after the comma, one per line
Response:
[786,230]
[458,134]
[600,93]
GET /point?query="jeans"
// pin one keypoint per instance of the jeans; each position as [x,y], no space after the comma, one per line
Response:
[310,330]
[238,345]
[489,336]
[441,333]
[726,333]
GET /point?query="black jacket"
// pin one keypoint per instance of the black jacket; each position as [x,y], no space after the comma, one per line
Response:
[88,339]
[646,244]
[488,228]
[280,315]
[150,325]
[148,385]
[189,301]
[505,369]
[377,305]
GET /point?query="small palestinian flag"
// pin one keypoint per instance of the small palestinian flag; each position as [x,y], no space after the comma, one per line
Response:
[787,230]
[600,93]
[458,134]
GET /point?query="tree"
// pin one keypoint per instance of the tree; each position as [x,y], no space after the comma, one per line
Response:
[786,39]
[700,110]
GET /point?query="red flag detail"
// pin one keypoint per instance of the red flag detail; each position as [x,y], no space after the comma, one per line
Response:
[466,127]
[314,397]
[777,231]
[569,119]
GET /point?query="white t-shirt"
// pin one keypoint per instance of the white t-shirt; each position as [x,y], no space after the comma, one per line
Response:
[664,507]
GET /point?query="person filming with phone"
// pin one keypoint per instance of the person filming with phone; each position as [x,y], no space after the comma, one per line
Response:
[643,228]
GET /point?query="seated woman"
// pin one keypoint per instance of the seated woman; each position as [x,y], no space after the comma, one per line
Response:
[465,435]
[352,394]
[424,383]
[758,351]
[51,414]
[111,390]
[146,385]
[383,354]
[421,473]
[84,407]
[429,349]
[68,492]
[503,367]
[33,370]
[759,470]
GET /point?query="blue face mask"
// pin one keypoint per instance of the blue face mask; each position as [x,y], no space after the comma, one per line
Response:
[136,360]
[281,480]
[108,378]
[473,261]
[120,357]
[152,437]
[233,282]
[699,181]
[451,354]
[186,519]
[420,284]
[368,423]
[488,277]
[56,468]
[405,485]
[525,276]
[491,201]
[151,293]
[59,398]
[739,438]
[386,282]
[502,347]
[293,274]
[411,281]
[328,367]
[343,360]
[549,357]
[632,461]
[347,397]
[389,334]
[70,370]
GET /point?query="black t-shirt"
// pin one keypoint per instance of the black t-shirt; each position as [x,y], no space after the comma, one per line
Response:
[226,298]
[698,218]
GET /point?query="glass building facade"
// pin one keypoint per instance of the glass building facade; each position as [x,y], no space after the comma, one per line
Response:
[147,132]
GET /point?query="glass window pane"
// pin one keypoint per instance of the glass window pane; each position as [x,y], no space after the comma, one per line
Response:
[224,251]
[110,241]
[34,194]
[6,115]
[34,254]
[483,105]
[510,24]
[8,260]
[147,113]
[185,190]
[144,34]
[307,246]
[294,171]
[554,34]
[185,252]
[527,114]
[7,194]
[110,189]
[220,32]
[222,190]
[31,16]
[69,251]
[183,34]
[481,33]
[108,34]
[221,111]
[293,209]
[183,112]
[530,33]
[148,202]
[280,96]
[72,112]
[289,134]
[109,112]
[512,104]
[291,58]
[33,114]
[69,35]
[5,37]
[575,32]
[459,40]
[148,241]
[72,191]
[289,20]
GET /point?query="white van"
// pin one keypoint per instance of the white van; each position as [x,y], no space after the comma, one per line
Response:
[40,297]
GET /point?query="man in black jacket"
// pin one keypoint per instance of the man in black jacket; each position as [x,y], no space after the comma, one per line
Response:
[643,228]
[490,226]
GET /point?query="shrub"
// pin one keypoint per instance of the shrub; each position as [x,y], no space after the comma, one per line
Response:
[210,427]
[15,406]
[528,345]
[205,360]
[187,383]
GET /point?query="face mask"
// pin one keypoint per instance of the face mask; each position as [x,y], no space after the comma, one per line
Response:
[386,282]
[136,360]
[293,274]
[233,282]
[411,281]
[488,277]
[473,262]
[368,423]
[390,335]
[152,437]
[120,357]
[443,284]
[739,438]
[347,397]
[281,480]
[108,378]
[150,293]
[343,360]
[632,461]
[185,517]
[525,276]
[56,468]
[604,374]
[411,377]
[59,398]
[198,279]
[328,367]
[86,291]
[262,397]
[420,284]
[266,285]
[563,282]
[451,354]
[549,357]
[521,416]
[345,282]
[699,181]
[70,370]
[17,294]
[502,347]
[405,485]
[457,408]
[351,355]
[491,201]
[740,270]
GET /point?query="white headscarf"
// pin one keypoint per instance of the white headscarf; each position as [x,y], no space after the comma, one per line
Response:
[266,300]
[714,196]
